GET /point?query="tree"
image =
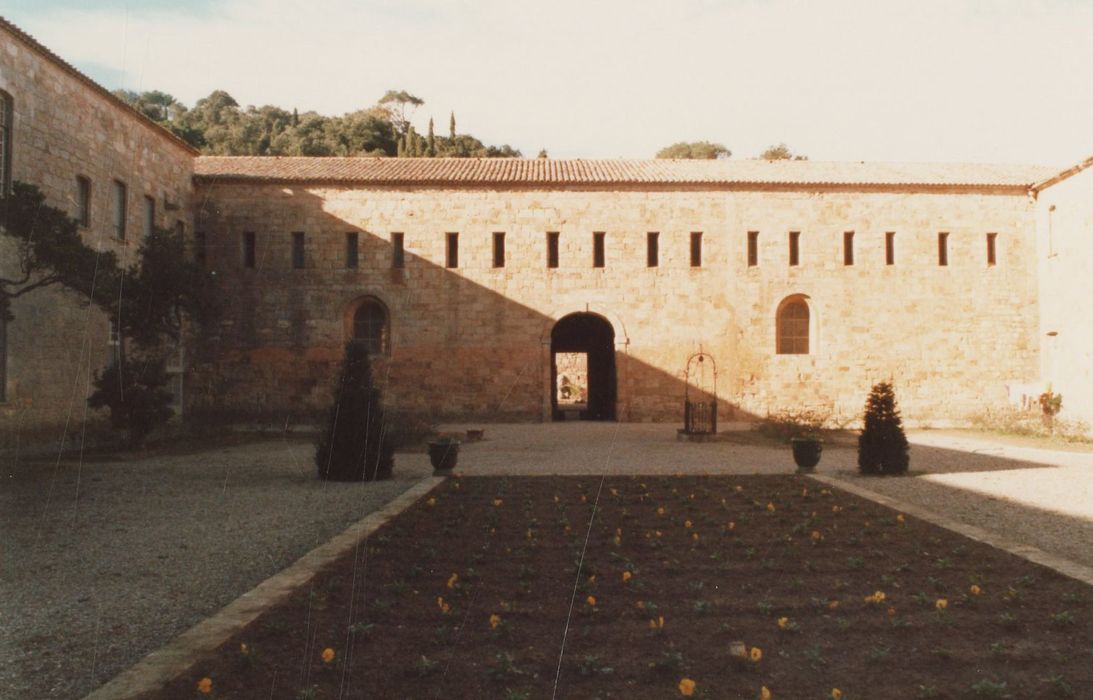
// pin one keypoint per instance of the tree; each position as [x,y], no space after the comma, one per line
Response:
[451,126]
[135,395]
[431,140]
[695,150]
[882,445]
[49,251]
[355,445]
[543,153]
[397,103]
[780,152]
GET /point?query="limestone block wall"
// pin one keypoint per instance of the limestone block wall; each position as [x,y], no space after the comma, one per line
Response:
[1064,216]
[65,126]
[474,340]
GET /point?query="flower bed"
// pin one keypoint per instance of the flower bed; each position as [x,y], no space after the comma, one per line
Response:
[717,587]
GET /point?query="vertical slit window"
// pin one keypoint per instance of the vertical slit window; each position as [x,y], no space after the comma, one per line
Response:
[598,253]
[552,249]
[942,249]
[753,248]
[890,248]
[83,201]
[498,249]
[199,247]
[452,256]
[794,248]
[848,247]
[992,249]
[398,251]
[696,249]
[120,197]
[149,215]
[249,245]
[298,250]
[652,249]
[6,119]
[352,250]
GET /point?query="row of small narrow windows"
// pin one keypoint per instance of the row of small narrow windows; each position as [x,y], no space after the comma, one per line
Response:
[119,198]
[652,252]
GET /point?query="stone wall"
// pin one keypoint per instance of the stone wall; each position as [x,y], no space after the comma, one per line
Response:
[475,340]
[65,126]
[1065,224]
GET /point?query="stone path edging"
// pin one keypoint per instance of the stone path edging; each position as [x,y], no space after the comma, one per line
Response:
[161,666]
[1033,554]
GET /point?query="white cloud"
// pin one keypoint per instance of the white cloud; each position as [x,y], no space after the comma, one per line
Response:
[1000,81]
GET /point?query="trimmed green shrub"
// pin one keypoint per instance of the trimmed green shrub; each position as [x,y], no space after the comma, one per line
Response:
[355,445]
[135,394]
[882,446]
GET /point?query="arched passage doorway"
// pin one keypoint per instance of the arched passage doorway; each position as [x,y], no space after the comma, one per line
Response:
[582,368]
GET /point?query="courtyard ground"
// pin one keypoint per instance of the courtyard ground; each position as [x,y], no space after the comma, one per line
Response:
[107,561]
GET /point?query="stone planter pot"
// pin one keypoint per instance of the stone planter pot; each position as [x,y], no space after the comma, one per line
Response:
[806,453]
[444,455]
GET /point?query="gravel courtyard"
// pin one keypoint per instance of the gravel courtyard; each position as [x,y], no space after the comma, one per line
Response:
[102,563]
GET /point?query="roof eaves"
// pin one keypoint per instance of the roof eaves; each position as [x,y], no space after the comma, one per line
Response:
[1060,176]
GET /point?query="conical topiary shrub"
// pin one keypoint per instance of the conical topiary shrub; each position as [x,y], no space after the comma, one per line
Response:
[882,446]
[355,446]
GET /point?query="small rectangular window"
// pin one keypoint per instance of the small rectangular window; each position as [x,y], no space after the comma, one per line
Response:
[297,250]
[149,215]
[398,251]
[452,257]
[120,214]
[248,249]
[498,249]
[83,201]
[794,248]
[199,247]
[942,249]
[848,247]
[992,256]
[352,252]
[753,248]
[598,254]
[652,249]
[6,118]
[890,248]
[552,249]
[696,249]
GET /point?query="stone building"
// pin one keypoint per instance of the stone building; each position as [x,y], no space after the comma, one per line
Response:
[804,282]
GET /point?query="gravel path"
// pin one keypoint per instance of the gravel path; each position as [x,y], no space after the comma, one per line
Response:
[103,563]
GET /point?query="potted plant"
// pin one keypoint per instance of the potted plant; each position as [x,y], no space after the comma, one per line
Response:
[807,448]
[443,454]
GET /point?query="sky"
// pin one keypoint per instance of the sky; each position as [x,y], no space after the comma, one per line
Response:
[916,80]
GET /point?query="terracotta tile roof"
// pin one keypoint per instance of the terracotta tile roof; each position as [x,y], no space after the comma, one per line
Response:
[457,172]
[67,67]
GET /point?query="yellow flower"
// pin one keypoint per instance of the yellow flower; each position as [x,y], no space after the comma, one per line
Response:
[694,536]
[900,519]
[770,506]
[686,687]
[975,590]
[739,489]
[833,605]
[756,654]
[877,598]
[816,536]
[660,510]
[626,575]
[657,624]
[244,649]
[495,620]
[497,502]
[765,694]
[444,607]
[591,600]
[328,655]
[836,694]
[431,501]
[941,604]
[836,509]
[891,612]
[732,525]
[687,524]
[452,579]
[783,622]
[205,685]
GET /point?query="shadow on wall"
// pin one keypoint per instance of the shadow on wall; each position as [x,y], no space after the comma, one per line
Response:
[451,348]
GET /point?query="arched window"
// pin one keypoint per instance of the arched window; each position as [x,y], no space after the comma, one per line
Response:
[370,326]
[793,319]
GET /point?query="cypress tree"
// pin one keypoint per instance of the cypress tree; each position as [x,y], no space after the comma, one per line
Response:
[431,140]
[882,445]
[451,126]
[401,147]
[355,446]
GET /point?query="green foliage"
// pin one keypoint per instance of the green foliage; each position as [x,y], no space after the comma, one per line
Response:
[882,446]
[780,152]
[134,392]
[792,423]
[49,251]
[700,150]
[355,446]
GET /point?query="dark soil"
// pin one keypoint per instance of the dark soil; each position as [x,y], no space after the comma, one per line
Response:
[408,615]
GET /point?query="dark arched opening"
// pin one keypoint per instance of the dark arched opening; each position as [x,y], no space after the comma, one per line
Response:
[582,368]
